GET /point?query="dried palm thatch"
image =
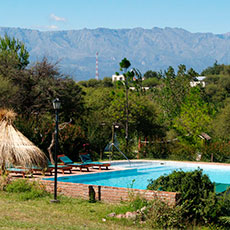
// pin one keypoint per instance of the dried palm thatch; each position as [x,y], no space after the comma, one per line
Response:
[15,148]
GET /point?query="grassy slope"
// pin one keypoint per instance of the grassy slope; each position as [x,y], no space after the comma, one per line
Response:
[68,214]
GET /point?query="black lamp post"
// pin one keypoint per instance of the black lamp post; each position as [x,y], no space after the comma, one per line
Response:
[56,106]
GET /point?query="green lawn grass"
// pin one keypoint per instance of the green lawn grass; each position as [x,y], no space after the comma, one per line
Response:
[68,214]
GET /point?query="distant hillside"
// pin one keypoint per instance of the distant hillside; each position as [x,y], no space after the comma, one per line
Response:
[147,49]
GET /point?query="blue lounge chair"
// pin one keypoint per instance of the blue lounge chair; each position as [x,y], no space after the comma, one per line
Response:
[50,167]
[36,169]
[22,171]
[87,160]
[63,168]
[67,161]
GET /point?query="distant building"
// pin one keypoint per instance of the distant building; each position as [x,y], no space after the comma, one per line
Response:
[144,88]
[117,77]
[122,78]
[198,81]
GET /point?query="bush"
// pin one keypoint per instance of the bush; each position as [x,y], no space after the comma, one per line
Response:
[136,201]
[27,190]
[198,199]
[217,151]
[162,216]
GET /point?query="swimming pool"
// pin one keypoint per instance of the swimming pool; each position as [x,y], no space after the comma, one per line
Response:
[138,174]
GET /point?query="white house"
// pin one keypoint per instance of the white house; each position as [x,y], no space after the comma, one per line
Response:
[199,81]
[117,77]
[122,78]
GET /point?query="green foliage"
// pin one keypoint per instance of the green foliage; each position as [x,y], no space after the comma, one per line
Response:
[4,181]
[71,139]
[10,46]
[27,190]
[213,70]
[156,149]
[150,82]
[182,151]
[8,92]
[39,131]
[125,64]
[93,83]
[198,199]
[225,222]
[136,201]
[221,124]
[172,93]
[107,82]
[217,151]
[194,118]
[72,99]
[170,73]
[169,106]
[98,120]
[151,74]
[162,216]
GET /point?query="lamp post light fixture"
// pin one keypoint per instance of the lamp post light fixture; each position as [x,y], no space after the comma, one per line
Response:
[56,106]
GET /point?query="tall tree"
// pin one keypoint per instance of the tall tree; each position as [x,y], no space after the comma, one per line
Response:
[194,119]
[172,93]
[128,75]
[11,46]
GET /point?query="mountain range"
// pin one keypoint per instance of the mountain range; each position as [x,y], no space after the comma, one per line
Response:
[147,49]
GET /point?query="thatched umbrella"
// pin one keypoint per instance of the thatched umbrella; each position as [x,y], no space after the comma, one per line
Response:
[15,148]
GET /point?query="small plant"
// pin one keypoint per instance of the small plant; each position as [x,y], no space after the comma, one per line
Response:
[135,200]
[162,216]
[27,190]
[4,181]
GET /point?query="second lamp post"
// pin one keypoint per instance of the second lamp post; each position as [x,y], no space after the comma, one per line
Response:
[56,106]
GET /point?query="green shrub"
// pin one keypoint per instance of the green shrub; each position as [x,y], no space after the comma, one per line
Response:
[198,199]
[225,222]
[216,151]
[224,201]
[180,151]
[162,216]
[137,202]
[26,189]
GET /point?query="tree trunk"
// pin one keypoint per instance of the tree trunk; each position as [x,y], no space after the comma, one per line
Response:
[50,147]
[61,126]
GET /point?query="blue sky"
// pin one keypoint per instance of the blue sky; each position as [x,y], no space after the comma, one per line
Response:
[192,15]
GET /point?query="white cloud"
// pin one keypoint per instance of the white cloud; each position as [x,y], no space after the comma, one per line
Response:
[51,27]
[56,18]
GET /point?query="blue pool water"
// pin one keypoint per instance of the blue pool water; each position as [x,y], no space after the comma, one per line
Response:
[137,175]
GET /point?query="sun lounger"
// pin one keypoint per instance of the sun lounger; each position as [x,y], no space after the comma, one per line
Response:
[50,168]
[22,171]
[67,161]
[37,169]
[63,168]
[87,160]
